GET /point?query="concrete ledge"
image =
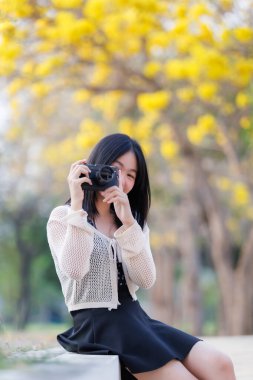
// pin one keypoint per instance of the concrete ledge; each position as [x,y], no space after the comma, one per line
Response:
[57,363]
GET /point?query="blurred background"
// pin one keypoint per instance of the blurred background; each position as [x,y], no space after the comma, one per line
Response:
[178,77]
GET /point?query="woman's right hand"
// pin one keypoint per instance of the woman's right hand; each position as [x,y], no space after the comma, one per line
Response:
[75,183]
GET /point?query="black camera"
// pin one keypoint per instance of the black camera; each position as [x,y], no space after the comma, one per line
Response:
[102,177]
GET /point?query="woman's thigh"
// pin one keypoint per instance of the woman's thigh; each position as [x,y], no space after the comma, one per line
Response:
[207,363]
[174,369]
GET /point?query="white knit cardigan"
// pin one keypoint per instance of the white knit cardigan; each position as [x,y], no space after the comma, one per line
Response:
[85,259]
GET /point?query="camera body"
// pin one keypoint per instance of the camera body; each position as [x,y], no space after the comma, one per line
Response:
[102,177]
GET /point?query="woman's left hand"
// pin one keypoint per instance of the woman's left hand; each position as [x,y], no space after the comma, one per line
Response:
[120,201]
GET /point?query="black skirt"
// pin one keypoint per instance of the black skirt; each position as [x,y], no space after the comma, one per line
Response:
[142,343]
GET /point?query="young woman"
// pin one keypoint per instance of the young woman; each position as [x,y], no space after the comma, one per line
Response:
[100,245]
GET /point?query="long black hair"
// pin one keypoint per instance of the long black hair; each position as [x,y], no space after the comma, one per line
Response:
[108,150]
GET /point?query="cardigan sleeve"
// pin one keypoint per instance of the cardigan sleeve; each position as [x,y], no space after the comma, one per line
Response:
[70,239]
[136,254]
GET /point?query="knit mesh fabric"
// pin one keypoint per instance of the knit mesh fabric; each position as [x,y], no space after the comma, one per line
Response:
[85,259]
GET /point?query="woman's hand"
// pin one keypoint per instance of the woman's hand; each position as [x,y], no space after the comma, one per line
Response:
[120,201]
[75,183]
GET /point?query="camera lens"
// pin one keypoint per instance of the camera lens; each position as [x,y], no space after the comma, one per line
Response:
[105,174]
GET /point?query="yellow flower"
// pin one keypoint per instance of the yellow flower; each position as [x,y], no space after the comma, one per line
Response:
[45,47]
[7,67]
[89,134]
[175,69]
[147,147]
[9,50]
[67,3]
[207,123]
[143,128]
[40,89]
[207,91]
[244,34]
[169,149]
[126,126]
[211,62]
[95,9]
[132,46]
[45,68]
[151,69]
[81,96]
[181,27]
[198,10]
[181,10]
[205,34]
[158,39]
[85,51]
[16,85]
[16,8]
[195,135]
[153,101]
[240,194]
[245,122]
[100,75]
[242,100]
[7,29]
[68,29]
[242,71]
[185,94]
[28,68]
[184,43]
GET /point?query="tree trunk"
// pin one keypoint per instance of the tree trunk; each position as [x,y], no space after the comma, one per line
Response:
[191,294]
[219,244]
[243,290]
[162,294]
[24,300]
[219,238]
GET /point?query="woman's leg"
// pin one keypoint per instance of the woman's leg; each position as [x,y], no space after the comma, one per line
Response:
[174,369]
[207,363]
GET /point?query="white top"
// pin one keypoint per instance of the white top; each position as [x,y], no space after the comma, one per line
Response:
[85,259]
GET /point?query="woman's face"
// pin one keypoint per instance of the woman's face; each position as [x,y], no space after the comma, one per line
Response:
[127,163]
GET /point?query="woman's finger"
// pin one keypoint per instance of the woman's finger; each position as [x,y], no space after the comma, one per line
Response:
[110,190]
[119,197]
[83,180]
[80,169]
[84,160]
[111,194]
[113,200]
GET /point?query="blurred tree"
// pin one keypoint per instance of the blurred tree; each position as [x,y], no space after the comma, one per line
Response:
[173,74]
[27,232]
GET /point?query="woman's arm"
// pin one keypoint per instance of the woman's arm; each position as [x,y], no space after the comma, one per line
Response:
[70,238]
[136,254]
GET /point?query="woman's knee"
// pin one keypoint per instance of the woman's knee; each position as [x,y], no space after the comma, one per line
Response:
[224,363]
[206,362]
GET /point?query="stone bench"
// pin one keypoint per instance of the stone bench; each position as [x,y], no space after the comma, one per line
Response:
[56,363]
